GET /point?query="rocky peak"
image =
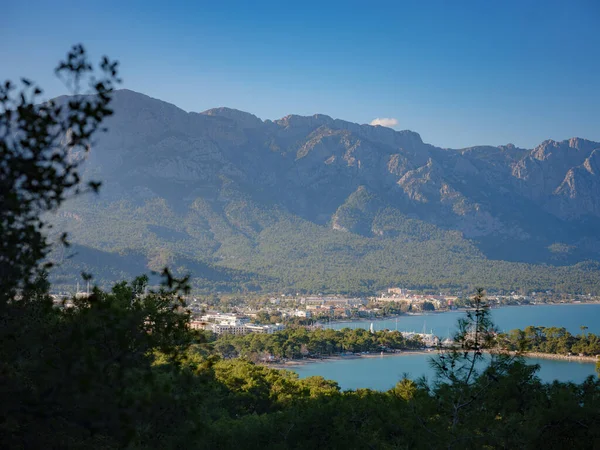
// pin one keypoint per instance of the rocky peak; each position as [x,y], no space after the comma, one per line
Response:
[406,139]
[581,144]
[310,122]
[567,149]
[131,102]
[243,119]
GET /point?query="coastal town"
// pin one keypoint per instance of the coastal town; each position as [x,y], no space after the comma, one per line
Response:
[237,315]
[284,329]
[274,313]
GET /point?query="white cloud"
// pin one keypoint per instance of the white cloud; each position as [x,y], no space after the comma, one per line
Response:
[385,122]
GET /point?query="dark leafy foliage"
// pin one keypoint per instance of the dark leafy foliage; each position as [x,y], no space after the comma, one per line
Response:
[37,171]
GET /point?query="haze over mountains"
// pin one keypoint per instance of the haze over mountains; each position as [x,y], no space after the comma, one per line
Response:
[321,204]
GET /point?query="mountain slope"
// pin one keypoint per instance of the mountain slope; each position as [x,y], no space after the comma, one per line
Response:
[323,204]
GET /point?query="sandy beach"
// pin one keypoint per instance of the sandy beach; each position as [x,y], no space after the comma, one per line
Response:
[588,359]
[300,362]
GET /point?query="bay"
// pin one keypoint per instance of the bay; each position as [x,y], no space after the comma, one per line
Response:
[383,372]
[569,316]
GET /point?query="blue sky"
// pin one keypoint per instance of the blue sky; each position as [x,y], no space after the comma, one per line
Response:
[460,73]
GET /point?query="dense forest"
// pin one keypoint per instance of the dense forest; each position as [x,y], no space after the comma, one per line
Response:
[551,340]
[121,368]
[297,342]
[295,255]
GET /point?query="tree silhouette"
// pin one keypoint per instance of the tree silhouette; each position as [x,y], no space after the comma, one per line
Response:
[36,171]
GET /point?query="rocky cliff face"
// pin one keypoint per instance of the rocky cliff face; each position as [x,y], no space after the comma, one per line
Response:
[547,175]
[577,195]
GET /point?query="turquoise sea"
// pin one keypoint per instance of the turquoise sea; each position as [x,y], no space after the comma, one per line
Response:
[383,372]
[570,316]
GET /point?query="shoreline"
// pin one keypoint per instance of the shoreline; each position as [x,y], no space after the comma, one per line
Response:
[290,364]
[555,356]
[301,362]
[444,311]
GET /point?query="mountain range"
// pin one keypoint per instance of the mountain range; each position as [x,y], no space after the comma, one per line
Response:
[323,205]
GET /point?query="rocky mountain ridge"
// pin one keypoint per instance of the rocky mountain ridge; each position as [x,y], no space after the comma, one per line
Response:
[227,172]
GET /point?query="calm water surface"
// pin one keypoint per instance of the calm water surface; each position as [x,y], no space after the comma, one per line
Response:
[383,372]
[506,318]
